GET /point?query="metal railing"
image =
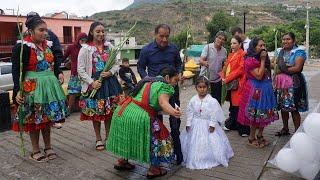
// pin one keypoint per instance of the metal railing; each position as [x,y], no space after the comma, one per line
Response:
[8,41]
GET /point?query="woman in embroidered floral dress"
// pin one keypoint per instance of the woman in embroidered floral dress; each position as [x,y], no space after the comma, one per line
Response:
[257,106]
[290,84]
[136,132]
[91,61]
[42,100]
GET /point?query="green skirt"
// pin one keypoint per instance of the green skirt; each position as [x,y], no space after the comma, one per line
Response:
[129,135]
[44,98]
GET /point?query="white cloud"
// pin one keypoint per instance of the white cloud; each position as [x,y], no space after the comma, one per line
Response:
[79,7]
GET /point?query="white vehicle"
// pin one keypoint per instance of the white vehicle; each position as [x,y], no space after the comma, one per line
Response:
[6,82]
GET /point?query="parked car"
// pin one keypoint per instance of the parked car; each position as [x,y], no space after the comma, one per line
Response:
[6,82]
[66,64]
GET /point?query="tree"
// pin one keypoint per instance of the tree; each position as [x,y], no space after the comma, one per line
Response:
[220,22]
[297,27]
[181,39]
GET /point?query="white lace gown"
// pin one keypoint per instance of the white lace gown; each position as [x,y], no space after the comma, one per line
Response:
[202,149]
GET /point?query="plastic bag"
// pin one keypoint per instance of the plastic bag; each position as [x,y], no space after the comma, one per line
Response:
[301,155]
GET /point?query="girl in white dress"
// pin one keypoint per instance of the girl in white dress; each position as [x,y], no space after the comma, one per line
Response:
[204,143]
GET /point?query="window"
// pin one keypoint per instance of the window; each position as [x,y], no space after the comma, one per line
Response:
[127,42]
[112,41]
[5,69]
[137,53]
[76,32]
[67,35]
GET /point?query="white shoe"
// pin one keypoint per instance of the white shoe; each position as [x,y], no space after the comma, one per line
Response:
[57,125]
[244,135]
[225,128]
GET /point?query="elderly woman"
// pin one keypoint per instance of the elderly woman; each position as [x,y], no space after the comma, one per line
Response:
[257,107]
[136,131]
[290,84]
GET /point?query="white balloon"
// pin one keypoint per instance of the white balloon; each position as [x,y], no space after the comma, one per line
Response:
[309,170]
[311,125]
[287,160]
[304,147]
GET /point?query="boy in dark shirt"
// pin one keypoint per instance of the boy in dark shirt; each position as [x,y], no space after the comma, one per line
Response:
[126,74]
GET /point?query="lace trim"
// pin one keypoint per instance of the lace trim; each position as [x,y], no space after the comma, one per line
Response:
[32,45]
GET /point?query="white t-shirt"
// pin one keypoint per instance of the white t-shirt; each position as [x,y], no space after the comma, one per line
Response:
[246,43]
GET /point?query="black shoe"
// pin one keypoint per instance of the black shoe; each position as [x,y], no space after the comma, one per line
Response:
[178,163]
[230,126]
[179,160]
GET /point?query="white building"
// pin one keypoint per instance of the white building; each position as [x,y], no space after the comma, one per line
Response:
[116,38]
[130,49]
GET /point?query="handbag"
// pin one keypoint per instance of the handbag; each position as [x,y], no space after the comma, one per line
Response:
[204,71]
[233,85]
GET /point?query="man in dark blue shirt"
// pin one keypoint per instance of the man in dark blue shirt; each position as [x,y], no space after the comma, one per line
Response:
[154,57]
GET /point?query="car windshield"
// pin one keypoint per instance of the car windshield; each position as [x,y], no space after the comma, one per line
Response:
[6,69]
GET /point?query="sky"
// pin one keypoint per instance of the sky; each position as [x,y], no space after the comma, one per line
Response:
[78,7]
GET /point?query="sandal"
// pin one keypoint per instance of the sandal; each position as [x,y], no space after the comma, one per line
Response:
[124,165]
[263,142]
[38,157]
[99,145]
[50,154]
[156,172]
[282,132]
[57,125]
[254,143]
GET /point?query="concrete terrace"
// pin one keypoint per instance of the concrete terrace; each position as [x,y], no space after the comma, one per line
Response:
[78,159]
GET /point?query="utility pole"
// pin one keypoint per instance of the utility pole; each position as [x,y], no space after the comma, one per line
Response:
[245,11]
[275,40]
[244,22]
[307,31]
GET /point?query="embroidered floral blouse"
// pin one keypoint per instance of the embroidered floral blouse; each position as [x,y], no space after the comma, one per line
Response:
[33,59]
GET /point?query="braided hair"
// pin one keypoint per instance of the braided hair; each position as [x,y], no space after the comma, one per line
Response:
[33,21]
[166,71]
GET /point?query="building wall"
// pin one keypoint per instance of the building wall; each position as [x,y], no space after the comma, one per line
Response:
[8,33]
[116,38]
[127,53]
[56,25]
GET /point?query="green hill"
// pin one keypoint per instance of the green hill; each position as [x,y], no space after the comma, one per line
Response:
[149,13]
